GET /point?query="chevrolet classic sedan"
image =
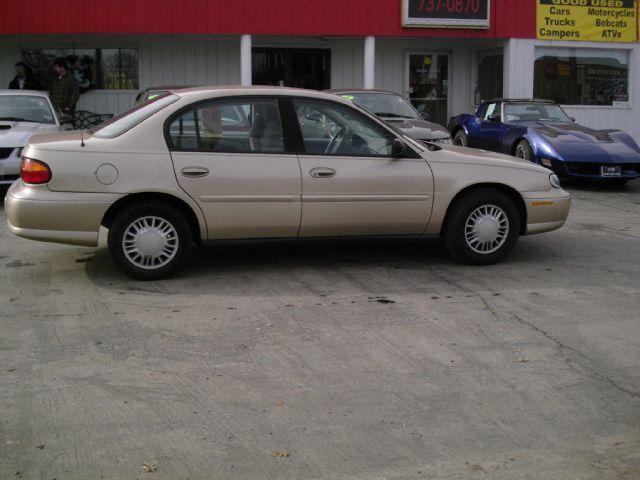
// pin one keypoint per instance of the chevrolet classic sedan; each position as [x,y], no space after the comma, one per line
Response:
[235,163]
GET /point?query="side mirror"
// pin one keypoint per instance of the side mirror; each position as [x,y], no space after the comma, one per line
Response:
[494,118]
[398,149]
[425,115]
[573,119]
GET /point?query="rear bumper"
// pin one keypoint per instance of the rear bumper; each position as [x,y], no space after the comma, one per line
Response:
[546,211]
[37,213]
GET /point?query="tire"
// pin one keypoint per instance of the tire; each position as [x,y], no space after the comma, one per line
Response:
[523,150]
[165,248]
[465,243]
[460,139]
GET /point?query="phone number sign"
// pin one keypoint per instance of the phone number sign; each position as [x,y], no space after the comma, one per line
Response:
[445,13]
[587,20]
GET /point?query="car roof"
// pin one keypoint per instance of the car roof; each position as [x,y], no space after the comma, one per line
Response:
[359,90]
[517,100]
[33,93]
[166,88]
[236,90]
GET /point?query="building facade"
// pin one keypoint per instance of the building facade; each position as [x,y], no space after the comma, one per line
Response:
[445,55]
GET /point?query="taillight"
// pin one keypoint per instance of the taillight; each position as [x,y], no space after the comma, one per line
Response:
[34,171]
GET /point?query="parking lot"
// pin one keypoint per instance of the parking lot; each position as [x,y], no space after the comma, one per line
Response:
[347,359]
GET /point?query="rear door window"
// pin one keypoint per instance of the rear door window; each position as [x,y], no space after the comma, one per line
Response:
[232,126]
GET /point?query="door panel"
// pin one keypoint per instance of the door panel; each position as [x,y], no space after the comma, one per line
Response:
[365,196]
[229,156]
[244,195]
[350,183]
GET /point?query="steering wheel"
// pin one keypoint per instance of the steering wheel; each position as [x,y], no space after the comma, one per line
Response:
[333,144]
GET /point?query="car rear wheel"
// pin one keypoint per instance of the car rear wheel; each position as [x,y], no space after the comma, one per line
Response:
[460,139]
[482,227]
[524,151]
[150,240]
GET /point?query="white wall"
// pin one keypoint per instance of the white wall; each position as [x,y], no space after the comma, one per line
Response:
[518,76]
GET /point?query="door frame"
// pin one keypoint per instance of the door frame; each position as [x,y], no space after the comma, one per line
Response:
[261,48]
[406,72]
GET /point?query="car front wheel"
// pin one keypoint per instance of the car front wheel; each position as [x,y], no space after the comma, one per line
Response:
[150,240]
[460,139]
[482,227]
[524,151]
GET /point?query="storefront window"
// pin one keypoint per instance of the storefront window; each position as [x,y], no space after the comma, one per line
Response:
[581,76]
[490,75]
[93,68]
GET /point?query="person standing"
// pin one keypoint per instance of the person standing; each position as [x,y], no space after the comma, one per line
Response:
[64,88]
[24,79]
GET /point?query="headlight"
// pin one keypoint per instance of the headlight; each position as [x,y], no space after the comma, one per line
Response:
[554,181]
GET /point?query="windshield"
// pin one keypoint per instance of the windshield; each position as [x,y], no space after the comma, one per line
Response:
[534,111]
[132,117]
[26,108]
[383,104]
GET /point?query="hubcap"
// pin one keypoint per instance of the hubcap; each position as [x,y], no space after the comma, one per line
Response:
[520,153]
[486,229]
[150,242]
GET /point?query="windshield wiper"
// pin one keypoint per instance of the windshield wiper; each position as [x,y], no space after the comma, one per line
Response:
[14,119]
[394,115]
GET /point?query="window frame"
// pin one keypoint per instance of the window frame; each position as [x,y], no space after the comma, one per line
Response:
[288,144]
[357,111]
[73,48]
[627,48]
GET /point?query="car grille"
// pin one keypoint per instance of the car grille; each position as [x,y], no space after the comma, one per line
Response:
[5,152]
[593,169]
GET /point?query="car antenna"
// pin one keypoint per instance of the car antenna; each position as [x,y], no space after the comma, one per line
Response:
[82,137]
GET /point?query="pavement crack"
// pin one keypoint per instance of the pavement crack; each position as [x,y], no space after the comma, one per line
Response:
[561,347]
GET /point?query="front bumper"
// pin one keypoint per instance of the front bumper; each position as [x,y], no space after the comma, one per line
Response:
[546,211]
[592,170]
[37,213]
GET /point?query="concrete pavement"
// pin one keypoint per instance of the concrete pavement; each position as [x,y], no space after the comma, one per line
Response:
[362,359]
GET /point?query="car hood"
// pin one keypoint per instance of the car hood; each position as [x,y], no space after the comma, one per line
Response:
[418,128]
[17,134]
[476,156]
[569,132]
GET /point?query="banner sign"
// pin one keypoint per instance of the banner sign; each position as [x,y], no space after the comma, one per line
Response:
[445,13]
[587,20]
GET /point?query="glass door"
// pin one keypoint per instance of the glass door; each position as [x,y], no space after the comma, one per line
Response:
[428,82]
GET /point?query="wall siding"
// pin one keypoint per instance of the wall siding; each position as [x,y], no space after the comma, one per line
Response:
[215,60]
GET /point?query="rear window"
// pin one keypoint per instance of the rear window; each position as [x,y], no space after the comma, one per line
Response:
[132,117]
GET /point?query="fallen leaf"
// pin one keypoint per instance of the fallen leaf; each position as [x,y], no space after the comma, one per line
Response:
[280,403]
[40,446]
[477,468]
[281,454]
[11,369]
[523,360]
[149,467]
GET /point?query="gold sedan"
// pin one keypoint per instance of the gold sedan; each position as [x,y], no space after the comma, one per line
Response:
[223,163]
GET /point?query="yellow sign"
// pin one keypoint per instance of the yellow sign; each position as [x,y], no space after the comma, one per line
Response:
[587,20]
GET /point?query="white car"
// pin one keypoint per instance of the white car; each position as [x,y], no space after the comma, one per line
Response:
[23,113]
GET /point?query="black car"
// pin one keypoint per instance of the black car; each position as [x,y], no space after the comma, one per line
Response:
[397,112]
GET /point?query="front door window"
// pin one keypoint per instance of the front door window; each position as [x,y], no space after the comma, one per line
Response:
[428,85]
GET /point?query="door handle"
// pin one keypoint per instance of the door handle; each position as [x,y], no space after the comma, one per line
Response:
[194,172]
[322,172]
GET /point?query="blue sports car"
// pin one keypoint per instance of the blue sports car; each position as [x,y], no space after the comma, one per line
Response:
[541,132]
